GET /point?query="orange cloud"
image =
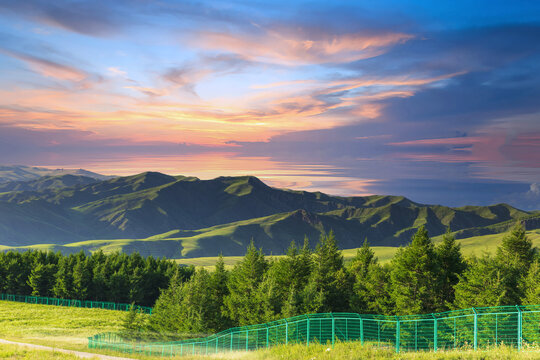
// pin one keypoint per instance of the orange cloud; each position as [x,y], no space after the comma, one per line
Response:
[282,47]
[49,68]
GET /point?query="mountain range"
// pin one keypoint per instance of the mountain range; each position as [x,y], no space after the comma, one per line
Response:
[179,216]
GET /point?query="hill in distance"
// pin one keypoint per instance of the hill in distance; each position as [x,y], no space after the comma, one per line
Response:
[183,217]
[26,173]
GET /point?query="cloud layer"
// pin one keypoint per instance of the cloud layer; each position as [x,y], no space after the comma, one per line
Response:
[343,98]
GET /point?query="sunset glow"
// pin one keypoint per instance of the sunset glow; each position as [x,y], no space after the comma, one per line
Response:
[341,97]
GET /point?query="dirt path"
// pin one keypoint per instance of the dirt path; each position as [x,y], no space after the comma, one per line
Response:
[83,355]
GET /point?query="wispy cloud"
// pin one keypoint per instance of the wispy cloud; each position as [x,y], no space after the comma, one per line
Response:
[49,68]
[300,47]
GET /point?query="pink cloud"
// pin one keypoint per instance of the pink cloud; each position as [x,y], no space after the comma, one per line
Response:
[49,68]
[298,47]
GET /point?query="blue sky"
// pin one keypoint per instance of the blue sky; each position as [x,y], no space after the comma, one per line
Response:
[436,101]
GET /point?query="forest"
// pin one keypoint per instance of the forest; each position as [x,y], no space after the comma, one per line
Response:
[421,278]
[115,277]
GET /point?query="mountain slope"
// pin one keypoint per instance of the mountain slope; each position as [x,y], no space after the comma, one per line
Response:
[204,217]
[26,173]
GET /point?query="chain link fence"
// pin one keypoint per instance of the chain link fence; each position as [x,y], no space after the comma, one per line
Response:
[474,328]
[74,303]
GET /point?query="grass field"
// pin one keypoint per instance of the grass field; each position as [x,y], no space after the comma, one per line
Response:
[68,328]
[21,353]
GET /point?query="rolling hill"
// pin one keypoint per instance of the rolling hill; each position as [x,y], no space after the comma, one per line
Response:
[25,173]
[178,216]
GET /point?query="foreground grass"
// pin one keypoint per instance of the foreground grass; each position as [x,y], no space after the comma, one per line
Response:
[22,353]
[341,351]
[355,351]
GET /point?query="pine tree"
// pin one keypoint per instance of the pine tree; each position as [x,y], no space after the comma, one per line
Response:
[82,278]
[241,305]
[366,271]
[63,286]
[329,282]
[41,279]
[219,290]
[531,285]
[451,265]
[414,276]
[482,284]
[516,249]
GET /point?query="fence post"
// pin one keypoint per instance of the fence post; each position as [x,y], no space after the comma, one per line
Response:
[397,334]
[333,329]
[231,340]
[308,325]
[520,327]
[286,332]
[247,340]
[361,331]
[475,329]
[267,336]
[434,332]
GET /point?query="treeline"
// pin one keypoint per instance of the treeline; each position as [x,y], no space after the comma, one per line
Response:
[421,278]
[117,277]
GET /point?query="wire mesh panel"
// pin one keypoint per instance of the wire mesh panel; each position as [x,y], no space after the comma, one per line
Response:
[41,300]
[470,328]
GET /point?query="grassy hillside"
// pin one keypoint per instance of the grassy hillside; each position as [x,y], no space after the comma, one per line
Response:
[177,216]
[27,173]
[47,182]
[58,326]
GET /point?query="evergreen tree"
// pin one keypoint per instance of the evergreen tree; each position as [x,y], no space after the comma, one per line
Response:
[82,278]
[515,256]
[167,315]
[219,290]
[482,284]
[41,279]
[63,286]
[329,283]
[451,265]
[414,276]
[362,261]
[370,288]
[531,285]
[241,305]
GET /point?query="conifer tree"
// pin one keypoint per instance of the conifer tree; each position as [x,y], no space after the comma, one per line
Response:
[219,290]
[451,265]
[241,305]
[482,284]
[516,249]
[41,279]
[531,285]
[515,256]
[82,278]
[330,284]
[414,276]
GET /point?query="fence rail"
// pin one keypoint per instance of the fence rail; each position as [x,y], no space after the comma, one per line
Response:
[470,328]
[74,303]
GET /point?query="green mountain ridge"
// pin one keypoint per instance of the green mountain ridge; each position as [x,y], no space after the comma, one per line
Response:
[194,218]
[10,173]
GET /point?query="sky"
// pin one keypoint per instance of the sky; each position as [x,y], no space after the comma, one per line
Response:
[437,101]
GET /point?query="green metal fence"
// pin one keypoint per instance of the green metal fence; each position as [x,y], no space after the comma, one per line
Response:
[471,328]
[74,303]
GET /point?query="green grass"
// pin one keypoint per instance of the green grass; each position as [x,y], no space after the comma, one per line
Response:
[354,351]
[15,352]
[59,326]
[68,328]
